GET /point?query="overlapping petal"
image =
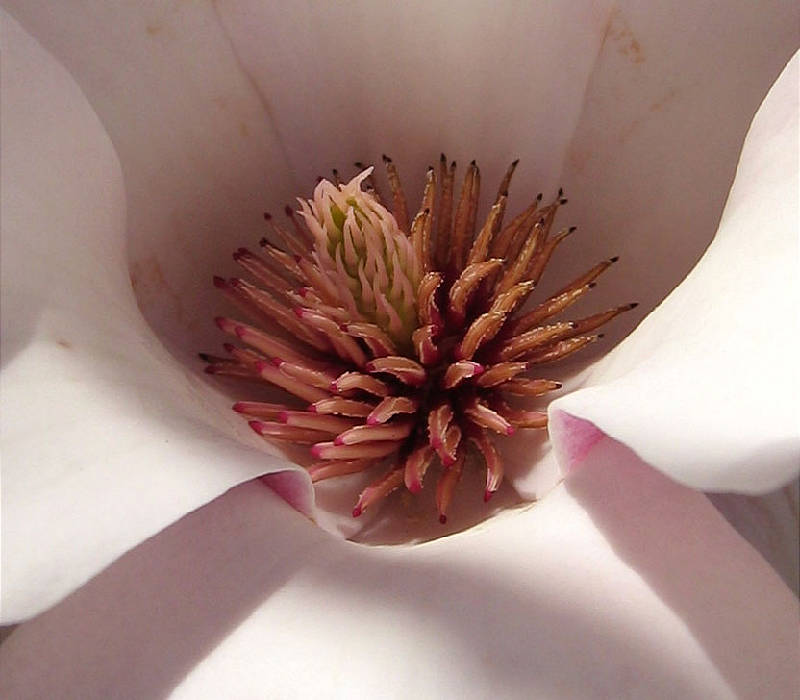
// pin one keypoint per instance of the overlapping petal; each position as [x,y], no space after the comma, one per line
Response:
[106,438]
[197,138]
[604,589]
[706,389]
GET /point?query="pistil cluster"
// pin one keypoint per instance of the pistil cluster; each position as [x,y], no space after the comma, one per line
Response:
[400,342]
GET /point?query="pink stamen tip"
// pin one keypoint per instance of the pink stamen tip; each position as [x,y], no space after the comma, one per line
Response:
[443,519]
[255,425]
[283,416]
[487,495]
[298,311]
[436,443]
[316,450]
[311,408]
[303,292]
[219,282]
[510,430]
[358,510]
[238,407]
[240,331]
[277,361]
[415,487]
[338,440]
[370,366]
[371,420]
[221,322]
[229,347]
[478,369]
[448,461]
[261,365]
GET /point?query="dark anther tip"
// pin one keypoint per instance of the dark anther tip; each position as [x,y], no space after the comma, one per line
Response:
[614,259]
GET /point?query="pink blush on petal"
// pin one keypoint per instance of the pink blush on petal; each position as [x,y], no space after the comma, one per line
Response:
[292,487]
[573,438]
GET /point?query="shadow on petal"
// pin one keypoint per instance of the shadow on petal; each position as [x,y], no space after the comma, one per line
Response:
[692,559]
[245,595]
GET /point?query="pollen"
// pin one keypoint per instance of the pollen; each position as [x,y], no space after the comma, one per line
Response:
[403,345]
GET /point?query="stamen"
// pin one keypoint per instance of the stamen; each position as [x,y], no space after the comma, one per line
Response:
[499,373]
[445,214]
[480,248]
[449,447]
[342,407]
[279,431]
[459,371]
[483,328]
[257,409]
[438,420]
[379,343]
[446,486]
[484,417]
[561,349]
[416,465]
[328,469]
[366,450]
[353,291]
[530,387]
[426,349]
[494,465]
[350,381]
[426,299]
[391,406]
[521,344]
[317,421]
[464,226]
[273,375]
[403,368]
[465,286]
[398,196]
[372,433]
[378,491]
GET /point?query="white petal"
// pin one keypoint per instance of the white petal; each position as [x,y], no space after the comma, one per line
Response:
[605,589]
[199,155]
[105,437]
[706,388]
[484,80]
[666,110]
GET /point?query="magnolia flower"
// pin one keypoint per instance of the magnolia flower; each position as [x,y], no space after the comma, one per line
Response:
[125,185]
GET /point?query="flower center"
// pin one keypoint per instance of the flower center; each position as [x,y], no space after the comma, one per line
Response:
[400,342]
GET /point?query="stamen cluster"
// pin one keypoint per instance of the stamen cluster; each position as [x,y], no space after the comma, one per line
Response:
[402,341]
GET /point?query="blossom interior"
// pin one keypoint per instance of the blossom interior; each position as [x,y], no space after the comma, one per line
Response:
[401,339]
